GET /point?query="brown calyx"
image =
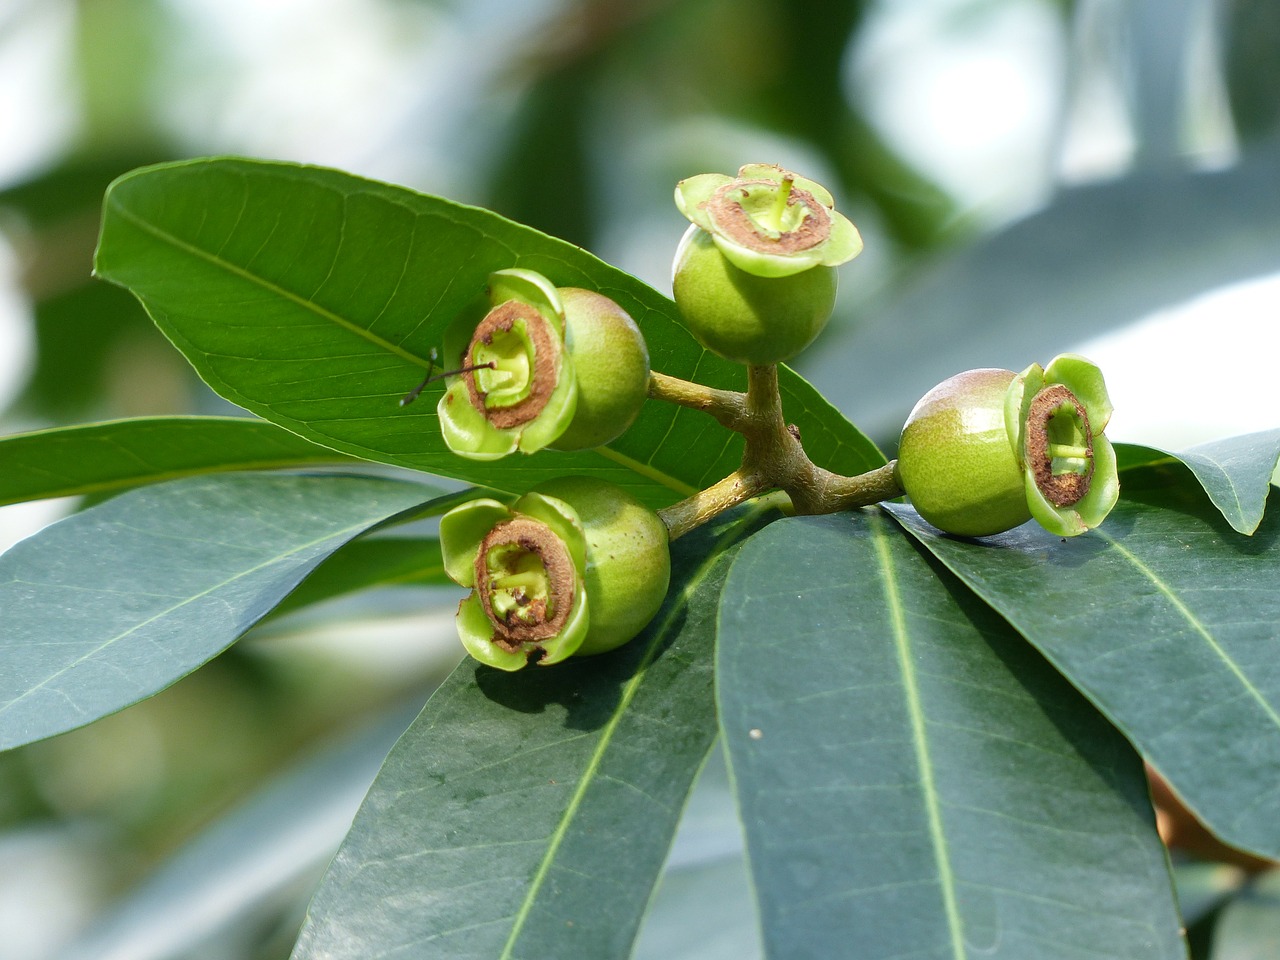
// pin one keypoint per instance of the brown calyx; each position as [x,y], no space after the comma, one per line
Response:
[537,538]
[732,219]
[1061,489]
[546,349]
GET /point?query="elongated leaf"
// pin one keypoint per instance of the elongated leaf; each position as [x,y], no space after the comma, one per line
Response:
[106,457]
[529,814]
[1167,620]
[913,778]
[361,564]
[1235,472]
[247,864]
[313,298]
[119,601]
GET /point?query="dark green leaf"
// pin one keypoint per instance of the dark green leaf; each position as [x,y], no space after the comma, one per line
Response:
[247,865]
[361,564]
[528,814]
[102,458]
[312,298]
[1166,619]
[1235,472]
[914,779]
[117,602]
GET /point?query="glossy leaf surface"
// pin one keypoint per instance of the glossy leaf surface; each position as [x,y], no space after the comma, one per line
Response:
[529,814]
[913,778]
[117,602]
[1166,619]
[313,298]
[102,458]
[1235,472]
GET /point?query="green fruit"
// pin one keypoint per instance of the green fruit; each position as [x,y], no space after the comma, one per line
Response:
[545,366]
[990,449]
[744,317]
[955,459]
[576,567]
[610,364]
[628,559]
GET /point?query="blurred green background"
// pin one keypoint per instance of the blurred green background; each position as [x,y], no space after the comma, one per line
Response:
[1030,176]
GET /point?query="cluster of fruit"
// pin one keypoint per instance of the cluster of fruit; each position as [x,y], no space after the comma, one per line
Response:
[578,566]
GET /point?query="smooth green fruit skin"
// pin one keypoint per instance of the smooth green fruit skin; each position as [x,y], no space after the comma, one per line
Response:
[955,460]
[628,565]
[611,364]
[742,317]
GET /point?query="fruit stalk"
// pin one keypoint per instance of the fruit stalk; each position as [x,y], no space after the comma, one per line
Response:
[774,458]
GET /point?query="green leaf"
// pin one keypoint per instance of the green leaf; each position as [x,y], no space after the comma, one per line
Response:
[913,778]
[529,814]
[376,562]
[1166,619]
[235,876]
[313,298]
[1235,472]
[100,458]
[115,603]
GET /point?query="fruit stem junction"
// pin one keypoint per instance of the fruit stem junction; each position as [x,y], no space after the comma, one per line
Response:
[774,458]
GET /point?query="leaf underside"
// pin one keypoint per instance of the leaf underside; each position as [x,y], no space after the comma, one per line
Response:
[117,602]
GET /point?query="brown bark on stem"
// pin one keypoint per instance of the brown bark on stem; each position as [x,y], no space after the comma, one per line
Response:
[774,458]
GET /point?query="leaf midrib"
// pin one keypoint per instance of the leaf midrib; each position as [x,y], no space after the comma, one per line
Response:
[354,528]
[274,288]
[919,738]
[641,469]
[1185,612]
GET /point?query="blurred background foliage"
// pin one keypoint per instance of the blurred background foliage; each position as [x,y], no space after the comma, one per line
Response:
[1030,176]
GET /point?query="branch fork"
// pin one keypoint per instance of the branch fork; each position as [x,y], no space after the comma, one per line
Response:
[774,458]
